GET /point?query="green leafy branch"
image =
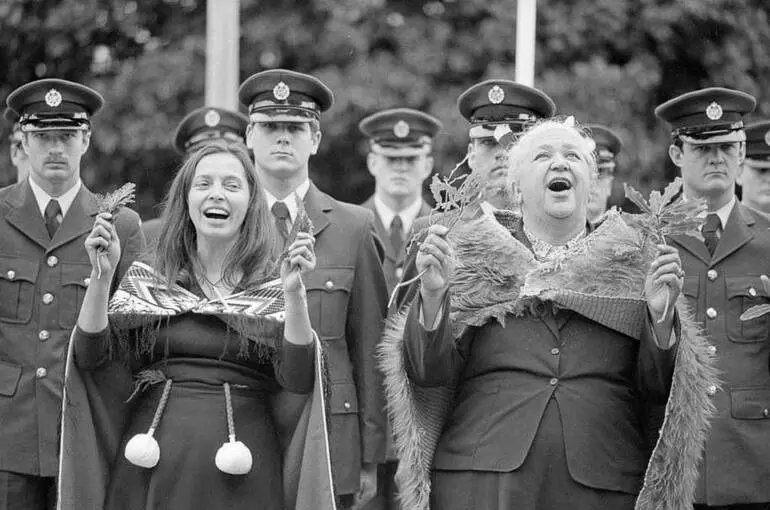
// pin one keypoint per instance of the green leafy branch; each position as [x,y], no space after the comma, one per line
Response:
[665,215]
[110,203]
[302,223]
[757,311]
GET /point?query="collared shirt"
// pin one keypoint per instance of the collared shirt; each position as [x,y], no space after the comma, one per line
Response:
[724,212]
[387,214]
[65,200]
[291,204]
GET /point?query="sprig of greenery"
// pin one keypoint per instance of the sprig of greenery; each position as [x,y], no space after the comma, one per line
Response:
[302,223]
[665,215]
[110,203]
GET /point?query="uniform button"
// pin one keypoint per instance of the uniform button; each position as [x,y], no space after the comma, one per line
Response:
[399,273]
[555,351]
[329,284]
[47,298]
[711,313]
[11,274]
[712,390]
[346,405]
[44,335]
[87,281]
[766,413]
[554,381]
[752,292]
[52,261]
[712,349]
[712,274]
[41,372]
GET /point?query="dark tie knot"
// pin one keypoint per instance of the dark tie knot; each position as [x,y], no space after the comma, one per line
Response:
[397,224]
[280,210]
[53,217]
[712,223]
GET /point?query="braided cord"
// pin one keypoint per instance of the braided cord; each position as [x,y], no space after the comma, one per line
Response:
[161,406]
[230,421]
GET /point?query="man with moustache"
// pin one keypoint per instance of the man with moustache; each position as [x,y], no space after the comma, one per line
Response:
[19,158]
[44,272]
[199,127]
[755,177]
[346,292]
[724,276]
[608,145]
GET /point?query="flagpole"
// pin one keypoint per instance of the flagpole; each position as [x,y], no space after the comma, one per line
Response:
[526,17]
[222,53]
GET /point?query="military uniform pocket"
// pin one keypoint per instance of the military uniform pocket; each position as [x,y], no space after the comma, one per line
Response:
[17,289]
[328,291]
[9,378]
[750,403]
[75,280]
[743,292]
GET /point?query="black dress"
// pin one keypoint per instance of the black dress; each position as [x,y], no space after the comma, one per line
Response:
[199,354]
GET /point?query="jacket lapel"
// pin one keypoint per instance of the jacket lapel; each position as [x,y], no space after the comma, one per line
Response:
[694,246]
[25,215]
[78,220]
[381,231]
[736,233]
[317,204]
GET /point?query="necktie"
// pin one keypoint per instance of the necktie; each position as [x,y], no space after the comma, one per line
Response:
[396,234]
[710,232]
[281,213]
[53,217]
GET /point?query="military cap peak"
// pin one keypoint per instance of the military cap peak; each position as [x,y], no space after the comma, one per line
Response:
[53,103]
[209,123]
[284,95]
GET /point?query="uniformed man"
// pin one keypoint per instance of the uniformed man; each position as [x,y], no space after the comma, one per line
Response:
[346,292]
[722,281]
[755,178]
[608,145]
[399,159]
[199,127]
[19,158]
[497,111]
[44,271]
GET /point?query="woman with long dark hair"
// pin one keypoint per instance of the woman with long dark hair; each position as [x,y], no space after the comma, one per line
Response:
[210,348]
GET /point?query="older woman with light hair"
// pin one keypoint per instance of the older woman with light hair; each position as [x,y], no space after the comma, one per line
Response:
[535,364]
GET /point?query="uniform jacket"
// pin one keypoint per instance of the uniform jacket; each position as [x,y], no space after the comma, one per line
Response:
[394,262]
[736,465]
[476,403]
[347,301]
[42,284]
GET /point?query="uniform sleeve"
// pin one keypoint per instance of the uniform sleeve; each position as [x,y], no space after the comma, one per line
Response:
[366,312]
[430,355]
[294,366]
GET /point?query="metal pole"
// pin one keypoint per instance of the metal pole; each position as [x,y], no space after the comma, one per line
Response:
[526,17]
[222,53]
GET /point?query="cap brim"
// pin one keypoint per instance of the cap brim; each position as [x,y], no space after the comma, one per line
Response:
[279,117]
[733,136]
[37,129]
[400,152]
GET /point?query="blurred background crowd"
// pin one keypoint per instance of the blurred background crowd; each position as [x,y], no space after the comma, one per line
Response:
[605,61]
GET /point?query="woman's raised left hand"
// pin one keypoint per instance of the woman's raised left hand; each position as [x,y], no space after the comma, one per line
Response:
[300,259]
[664,282]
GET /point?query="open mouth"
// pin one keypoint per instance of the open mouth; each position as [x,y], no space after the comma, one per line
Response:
[215,213]
[559,184]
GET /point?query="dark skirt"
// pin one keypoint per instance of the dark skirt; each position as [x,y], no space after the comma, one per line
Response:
[543,482]
[191,430]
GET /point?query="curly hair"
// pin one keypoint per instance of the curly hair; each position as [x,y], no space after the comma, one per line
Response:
[257,248]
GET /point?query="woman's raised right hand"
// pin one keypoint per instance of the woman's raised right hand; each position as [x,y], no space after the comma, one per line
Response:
[103,243]
[436,258]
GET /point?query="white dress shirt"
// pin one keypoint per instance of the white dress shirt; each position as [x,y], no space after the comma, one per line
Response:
[291,204]
[65,200]
[387,214]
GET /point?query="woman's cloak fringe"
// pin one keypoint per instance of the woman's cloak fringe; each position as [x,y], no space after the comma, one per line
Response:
[604,281]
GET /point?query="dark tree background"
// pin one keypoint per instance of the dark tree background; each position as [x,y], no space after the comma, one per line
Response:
[608,61]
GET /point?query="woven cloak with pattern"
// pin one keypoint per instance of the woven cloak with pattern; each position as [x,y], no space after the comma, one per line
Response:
[602,278]
[94,407]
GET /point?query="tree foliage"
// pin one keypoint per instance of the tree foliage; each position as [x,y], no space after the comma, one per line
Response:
[607,61]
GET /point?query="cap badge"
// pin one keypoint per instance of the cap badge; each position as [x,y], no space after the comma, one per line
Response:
[212,118]
[281,91]
[496,95]
[767,137]
[53,98]
[714,111]
[401,129]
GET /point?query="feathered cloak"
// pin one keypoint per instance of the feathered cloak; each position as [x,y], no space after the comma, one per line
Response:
[95,409]
[601,279]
